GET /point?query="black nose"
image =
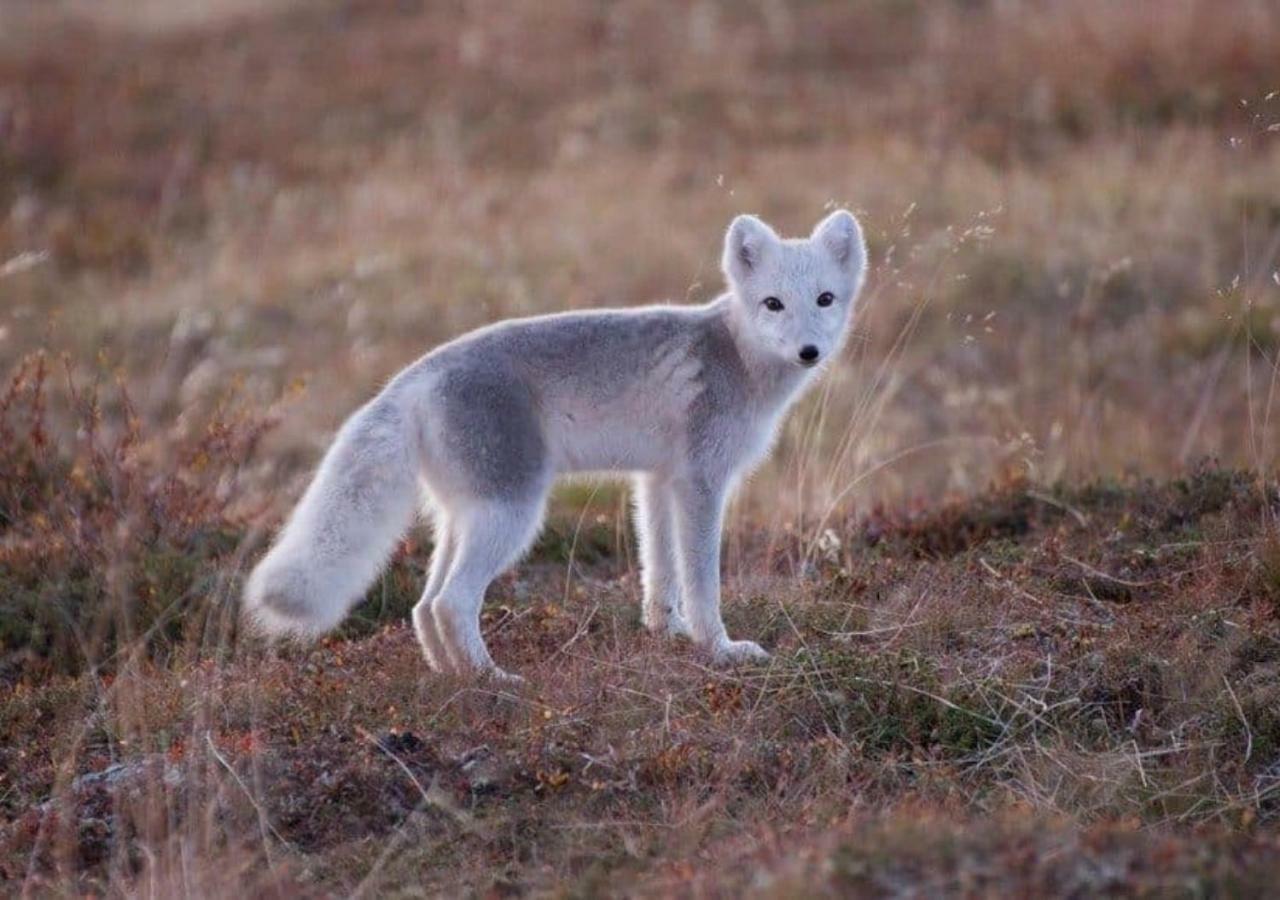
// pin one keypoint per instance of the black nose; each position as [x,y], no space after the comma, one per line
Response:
[808,353]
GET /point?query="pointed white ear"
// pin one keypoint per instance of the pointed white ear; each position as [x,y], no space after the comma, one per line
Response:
[746,244]
[840,234]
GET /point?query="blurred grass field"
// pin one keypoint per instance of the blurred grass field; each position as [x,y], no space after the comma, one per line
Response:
[1044,469]
[1072,208]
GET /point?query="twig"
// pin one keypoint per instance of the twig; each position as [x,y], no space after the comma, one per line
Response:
[1248,732]
[870,632]
[577,634]
[432,796]
[1058,504]
[1009,583]
[1098,573]
[263,820]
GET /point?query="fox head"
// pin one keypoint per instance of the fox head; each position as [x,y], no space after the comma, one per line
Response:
[795,296]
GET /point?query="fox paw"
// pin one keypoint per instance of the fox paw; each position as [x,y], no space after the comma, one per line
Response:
[671,624]
[502,678]
[678,626]
[734,653]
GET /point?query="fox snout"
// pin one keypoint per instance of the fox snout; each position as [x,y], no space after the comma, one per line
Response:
[809,354]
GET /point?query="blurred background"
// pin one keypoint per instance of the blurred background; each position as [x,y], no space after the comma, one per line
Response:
[1073,211]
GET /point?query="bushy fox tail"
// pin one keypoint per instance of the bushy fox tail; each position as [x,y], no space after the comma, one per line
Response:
[339,536]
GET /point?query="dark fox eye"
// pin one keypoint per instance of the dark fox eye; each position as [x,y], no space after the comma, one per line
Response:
[773,304]
[826,298]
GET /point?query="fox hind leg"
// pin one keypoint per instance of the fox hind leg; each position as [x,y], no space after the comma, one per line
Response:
[491,536]
[424,621]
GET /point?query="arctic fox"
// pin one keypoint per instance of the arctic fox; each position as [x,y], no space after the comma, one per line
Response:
[685,399]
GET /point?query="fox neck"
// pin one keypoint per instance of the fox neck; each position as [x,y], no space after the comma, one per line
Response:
[774,383]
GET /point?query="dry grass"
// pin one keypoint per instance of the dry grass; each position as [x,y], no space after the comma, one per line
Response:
[1026,641]
[1090,672]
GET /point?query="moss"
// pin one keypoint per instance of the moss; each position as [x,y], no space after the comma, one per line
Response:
[896,703]
[1005,514]
[585,543]
[390,599]
[1250,730]
[1116,687]
[1208,490]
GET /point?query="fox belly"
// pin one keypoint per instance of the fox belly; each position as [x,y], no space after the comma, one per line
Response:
[590,442]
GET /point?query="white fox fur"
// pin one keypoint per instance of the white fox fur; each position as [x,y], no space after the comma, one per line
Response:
[685,399]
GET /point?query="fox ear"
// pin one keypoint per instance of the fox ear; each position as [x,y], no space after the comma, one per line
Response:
[746,244]
[841,235]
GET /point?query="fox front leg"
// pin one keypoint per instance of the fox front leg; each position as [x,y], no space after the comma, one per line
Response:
[699,517]
[659,562]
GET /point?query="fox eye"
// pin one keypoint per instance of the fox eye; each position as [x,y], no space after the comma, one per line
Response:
[773,304]
[826,298]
